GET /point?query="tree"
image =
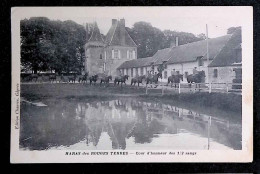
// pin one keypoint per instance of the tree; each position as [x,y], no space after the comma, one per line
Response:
[52,45]
[202,36]
[150,39]
[231,30]
[35,43]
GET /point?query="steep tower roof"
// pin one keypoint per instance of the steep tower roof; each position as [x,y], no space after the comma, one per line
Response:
[117,35]
[95,38]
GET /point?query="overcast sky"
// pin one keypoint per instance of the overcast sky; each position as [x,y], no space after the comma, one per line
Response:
[187,19]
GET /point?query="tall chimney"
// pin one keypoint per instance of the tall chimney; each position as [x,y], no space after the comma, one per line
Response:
[114,21]
[177,42]
[122,31]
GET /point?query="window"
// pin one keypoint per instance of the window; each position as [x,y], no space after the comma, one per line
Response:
[132,72]
[104,67]
[100,56]
[142,71]
[130,54]
[215,72]
[165,74]
[116,54]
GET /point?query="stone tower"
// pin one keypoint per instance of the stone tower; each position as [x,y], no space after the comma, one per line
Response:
[94,50]
[105,56]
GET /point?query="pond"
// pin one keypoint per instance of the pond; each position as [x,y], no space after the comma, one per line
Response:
[125,123]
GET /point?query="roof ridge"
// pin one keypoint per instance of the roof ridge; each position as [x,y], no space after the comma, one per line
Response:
[204,40]
[130,37]
[91,35]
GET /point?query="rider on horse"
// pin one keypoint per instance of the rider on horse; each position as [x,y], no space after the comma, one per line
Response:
[173,72]
[195,71]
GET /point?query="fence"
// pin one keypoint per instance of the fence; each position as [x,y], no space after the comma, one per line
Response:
[201,87]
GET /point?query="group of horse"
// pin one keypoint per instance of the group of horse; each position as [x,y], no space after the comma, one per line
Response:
[105,79]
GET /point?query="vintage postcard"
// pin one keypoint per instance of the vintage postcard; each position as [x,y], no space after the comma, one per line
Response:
[132,84]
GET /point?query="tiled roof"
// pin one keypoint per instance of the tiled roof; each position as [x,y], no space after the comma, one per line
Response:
[113,36]
[227,55]
[161,55]
[141,62]
[191,51]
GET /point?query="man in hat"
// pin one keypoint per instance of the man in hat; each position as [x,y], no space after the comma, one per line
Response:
[195,71]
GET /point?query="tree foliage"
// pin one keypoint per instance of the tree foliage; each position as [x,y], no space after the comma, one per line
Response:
[51,45]
[150,39]
[233,29]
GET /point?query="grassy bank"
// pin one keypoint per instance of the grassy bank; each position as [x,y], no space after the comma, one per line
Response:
[222,101]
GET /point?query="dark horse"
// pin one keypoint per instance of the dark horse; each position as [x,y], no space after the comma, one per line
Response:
[34,77]
[196,78]
[93,78]
[52,77]
[72,78]
[121,79]
[153,79]
[175,79]
[105,80]
[137,80]
[83,78]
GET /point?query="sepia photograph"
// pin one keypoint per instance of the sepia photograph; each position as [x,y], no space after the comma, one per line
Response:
[132,84]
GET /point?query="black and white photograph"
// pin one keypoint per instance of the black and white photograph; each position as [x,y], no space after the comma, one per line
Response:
[132,84]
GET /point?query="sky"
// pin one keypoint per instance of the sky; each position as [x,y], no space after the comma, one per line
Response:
[186,19]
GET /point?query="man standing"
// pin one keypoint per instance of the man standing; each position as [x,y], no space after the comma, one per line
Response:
[195,71]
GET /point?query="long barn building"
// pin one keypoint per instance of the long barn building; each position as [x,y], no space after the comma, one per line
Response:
[224,59]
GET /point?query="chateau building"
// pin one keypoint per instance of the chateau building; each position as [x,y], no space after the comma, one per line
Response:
[105,54]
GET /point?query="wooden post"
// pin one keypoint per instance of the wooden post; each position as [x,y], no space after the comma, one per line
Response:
[179,88]
[227,87]
[209,124]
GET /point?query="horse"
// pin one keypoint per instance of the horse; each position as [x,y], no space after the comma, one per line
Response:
[196,78]
[93,78]
[137,80]
[153,79]
[34,76]
[52,77]
[105,80]
[175,79]
[72,78]
[121,79]
[83,78]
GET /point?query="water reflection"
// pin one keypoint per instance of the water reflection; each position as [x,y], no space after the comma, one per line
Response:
[125,123]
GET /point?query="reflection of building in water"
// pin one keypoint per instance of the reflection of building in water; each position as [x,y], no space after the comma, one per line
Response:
[144,121]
